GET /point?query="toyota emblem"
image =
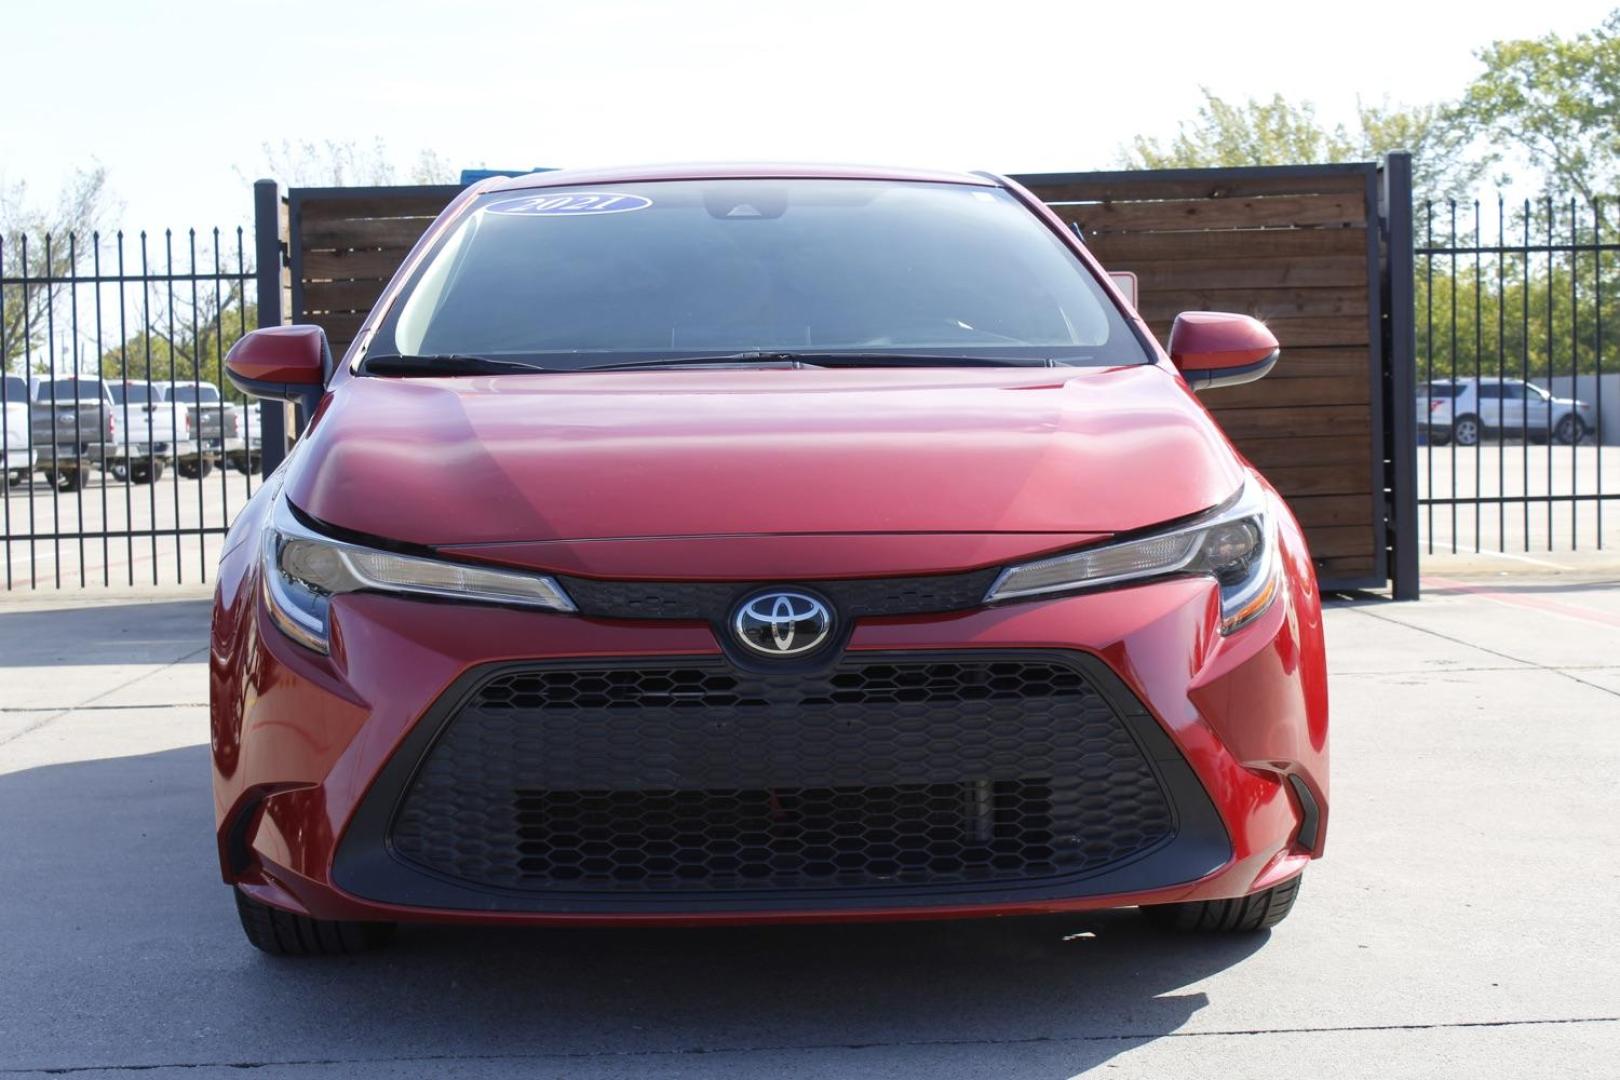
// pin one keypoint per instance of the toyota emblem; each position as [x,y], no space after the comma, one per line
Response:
[782,623]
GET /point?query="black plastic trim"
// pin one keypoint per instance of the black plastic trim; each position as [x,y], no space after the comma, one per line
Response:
[366,866]
[1237,376]
[1310,814]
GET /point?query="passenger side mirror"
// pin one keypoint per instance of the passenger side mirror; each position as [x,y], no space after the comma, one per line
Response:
[1216,348]
[284,363]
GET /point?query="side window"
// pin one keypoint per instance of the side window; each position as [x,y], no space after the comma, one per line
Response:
[1490,391]
[1513,391]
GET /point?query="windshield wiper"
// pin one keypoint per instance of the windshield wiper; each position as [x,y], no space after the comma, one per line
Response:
[833,359]
[446,364]
[467,364]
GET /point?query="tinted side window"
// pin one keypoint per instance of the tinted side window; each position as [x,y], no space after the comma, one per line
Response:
[1490,391]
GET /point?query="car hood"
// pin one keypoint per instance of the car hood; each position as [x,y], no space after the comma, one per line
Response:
[517,459]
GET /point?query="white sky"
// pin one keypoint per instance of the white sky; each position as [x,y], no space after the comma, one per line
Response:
[177,98]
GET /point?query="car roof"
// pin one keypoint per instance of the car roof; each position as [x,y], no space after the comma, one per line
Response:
[624,174]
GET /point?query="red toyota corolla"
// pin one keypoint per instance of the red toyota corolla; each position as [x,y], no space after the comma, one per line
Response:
[755,545]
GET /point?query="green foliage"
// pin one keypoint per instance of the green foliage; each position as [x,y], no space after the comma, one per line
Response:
[1556,99]
[1515,314]
[1280,132]
[181,353]
[1275,132]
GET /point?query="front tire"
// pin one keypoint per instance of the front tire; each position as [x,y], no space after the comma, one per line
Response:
[1570,430]
[281,933]
[1244,915]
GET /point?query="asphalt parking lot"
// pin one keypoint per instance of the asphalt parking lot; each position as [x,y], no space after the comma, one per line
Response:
[1461,926]
[156,530]
[1532,528]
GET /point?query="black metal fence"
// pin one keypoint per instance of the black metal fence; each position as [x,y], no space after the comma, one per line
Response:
[1518,390]
[126,453]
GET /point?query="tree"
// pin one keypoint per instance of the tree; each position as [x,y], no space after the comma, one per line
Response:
[347,163]
[1279,132]
[71,226]
[1557,100]
[202,333]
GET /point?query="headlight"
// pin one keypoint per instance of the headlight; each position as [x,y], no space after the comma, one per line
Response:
[1235,544]
[303,570]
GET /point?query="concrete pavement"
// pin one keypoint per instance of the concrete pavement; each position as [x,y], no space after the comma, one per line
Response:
[1461,926]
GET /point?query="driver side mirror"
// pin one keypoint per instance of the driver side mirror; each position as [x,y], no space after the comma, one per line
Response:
[1216,348]
[284,363]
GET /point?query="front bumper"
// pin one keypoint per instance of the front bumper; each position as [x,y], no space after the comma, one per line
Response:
[312,754]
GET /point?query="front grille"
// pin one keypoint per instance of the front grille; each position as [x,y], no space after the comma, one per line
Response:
[711,601]
[693,776]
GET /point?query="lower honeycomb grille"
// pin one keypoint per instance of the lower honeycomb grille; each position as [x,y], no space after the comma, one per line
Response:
[692,776]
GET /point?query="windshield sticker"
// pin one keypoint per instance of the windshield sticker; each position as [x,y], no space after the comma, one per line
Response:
[571,204]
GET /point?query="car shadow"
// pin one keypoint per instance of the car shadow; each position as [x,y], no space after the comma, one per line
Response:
[123,949]
[145,632]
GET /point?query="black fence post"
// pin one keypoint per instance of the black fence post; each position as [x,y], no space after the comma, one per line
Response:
[1400,374]
[267,265]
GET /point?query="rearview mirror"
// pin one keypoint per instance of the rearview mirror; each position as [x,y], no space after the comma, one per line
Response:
[286,363]
[1216,348]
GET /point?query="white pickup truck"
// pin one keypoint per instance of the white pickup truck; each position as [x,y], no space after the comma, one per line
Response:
[244,437]
[16,450]
[191,420]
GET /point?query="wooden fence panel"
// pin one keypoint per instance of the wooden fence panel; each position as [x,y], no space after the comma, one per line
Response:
[344,245]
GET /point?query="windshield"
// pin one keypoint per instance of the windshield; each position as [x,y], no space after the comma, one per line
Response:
[576,277]
[16,389]
[130,393]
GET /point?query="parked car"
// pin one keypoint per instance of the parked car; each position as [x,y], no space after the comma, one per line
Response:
[17,453]
[73,420]
[760,543]
[1468,409]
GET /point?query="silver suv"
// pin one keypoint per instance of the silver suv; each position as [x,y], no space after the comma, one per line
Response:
[1466,410]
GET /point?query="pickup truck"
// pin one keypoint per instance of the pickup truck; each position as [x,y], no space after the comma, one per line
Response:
[212,422]
[73,419]
[16,448]
[244,438]
[162,429]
